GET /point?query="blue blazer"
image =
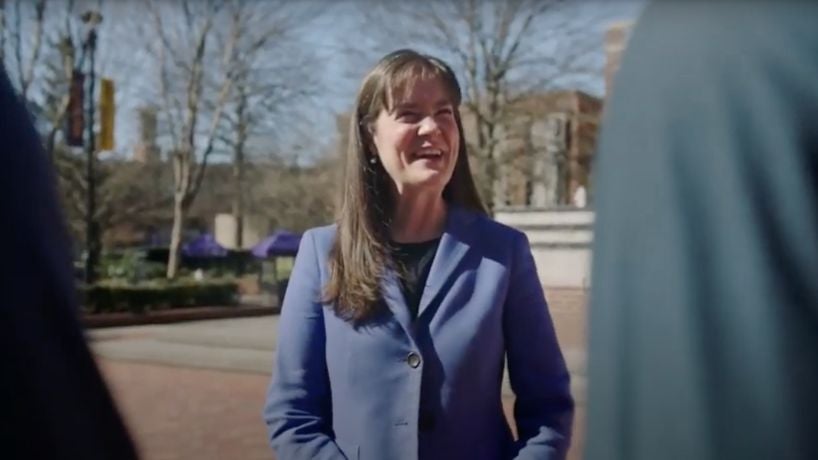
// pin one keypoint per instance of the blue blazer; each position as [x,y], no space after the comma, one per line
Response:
[394,389]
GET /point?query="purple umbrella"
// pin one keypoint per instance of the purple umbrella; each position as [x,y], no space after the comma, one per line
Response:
[280,243]
[204,245]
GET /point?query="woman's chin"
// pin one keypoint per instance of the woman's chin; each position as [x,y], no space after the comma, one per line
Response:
[428,179]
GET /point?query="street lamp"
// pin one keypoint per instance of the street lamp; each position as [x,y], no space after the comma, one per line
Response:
[92,244]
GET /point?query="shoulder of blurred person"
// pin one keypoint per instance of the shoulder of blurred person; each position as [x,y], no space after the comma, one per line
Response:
[54,401]
[704,305]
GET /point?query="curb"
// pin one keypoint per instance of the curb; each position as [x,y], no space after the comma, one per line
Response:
[175,315]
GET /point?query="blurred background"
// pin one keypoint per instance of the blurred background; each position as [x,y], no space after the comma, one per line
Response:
[194,141]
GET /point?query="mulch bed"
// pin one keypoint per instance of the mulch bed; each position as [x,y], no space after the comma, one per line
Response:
[174,315]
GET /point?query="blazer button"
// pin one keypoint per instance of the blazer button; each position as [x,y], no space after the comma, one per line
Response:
[413,360]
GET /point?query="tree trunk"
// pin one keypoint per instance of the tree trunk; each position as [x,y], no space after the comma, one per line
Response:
[92,240]
[238,171]
[179,212]
[238,205]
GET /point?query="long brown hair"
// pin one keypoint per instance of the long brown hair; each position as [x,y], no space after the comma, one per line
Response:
[360,253]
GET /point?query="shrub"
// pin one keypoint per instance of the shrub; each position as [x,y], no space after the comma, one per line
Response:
[130,265]
[112,296]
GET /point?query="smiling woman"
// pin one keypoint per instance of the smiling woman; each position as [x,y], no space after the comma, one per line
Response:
[417,139]
[399,319]
[393,191]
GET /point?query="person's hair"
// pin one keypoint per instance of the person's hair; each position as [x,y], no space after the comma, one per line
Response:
[360,253]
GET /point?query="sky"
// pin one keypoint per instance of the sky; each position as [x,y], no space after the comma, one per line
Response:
[332,33]
[338,37]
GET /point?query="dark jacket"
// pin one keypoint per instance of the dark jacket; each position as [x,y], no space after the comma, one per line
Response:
[704,310]
[53,401]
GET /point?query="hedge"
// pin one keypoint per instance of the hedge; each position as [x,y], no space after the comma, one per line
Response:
[139,298]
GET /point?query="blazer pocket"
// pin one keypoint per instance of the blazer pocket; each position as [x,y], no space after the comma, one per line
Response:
[350,451]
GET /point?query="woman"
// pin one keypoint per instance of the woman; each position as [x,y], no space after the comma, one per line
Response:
[397,320]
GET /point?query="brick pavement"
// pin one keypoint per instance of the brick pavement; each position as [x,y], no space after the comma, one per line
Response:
[180,413]
[569,313]
[177,413]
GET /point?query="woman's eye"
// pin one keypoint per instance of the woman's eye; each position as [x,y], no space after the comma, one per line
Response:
[445,113]
[408,116]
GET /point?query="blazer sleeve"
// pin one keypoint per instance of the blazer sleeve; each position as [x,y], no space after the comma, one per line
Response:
[544,408]
[298,408]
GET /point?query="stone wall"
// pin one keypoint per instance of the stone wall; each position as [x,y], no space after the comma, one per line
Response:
[560,241]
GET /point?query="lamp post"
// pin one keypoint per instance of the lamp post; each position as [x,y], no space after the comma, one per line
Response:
[92,243]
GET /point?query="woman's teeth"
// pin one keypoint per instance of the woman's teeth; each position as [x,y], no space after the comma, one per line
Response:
[429,153]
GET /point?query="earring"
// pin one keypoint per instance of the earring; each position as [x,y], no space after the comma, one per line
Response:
[373,159]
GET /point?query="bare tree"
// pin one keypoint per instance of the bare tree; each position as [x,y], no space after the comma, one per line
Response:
[43,64]
[31,56]
[41,52]
[133,195]
[26,56]
[298,197]
[43,48]
[505,51]
[185,53]
[136,195]
[275,76]
[214,69]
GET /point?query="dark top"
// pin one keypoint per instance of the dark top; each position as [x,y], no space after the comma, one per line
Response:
[704,305]
[414,261]
[53,401]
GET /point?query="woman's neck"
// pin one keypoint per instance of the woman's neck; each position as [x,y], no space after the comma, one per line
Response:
[418,218]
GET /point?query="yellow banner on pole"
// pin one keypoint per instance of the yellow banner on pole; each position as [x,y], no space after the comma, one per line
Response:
[107,110]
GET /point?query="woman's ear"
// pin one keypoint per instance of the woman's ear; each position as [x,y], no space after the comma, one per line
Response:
[373,151]
[369,139]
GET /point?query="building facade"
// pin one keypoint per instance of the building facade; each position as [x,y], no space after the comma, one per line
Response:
[545,148]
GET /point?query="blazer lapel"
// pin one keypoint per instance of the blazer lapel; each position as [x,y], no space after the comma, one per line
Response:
[393,297]
[453,247]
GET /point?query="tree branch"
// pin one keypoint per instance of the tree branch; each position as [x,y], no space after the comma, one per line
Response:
[229,58]
[28,73]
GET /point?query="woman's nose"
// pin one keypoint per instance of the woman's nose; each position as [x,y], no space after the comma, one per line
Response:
[428,126]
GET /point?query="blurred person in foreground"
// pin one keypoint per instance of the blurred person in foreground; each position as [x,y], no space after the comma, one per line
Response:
[398,320]
[704,308]
[55,404]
